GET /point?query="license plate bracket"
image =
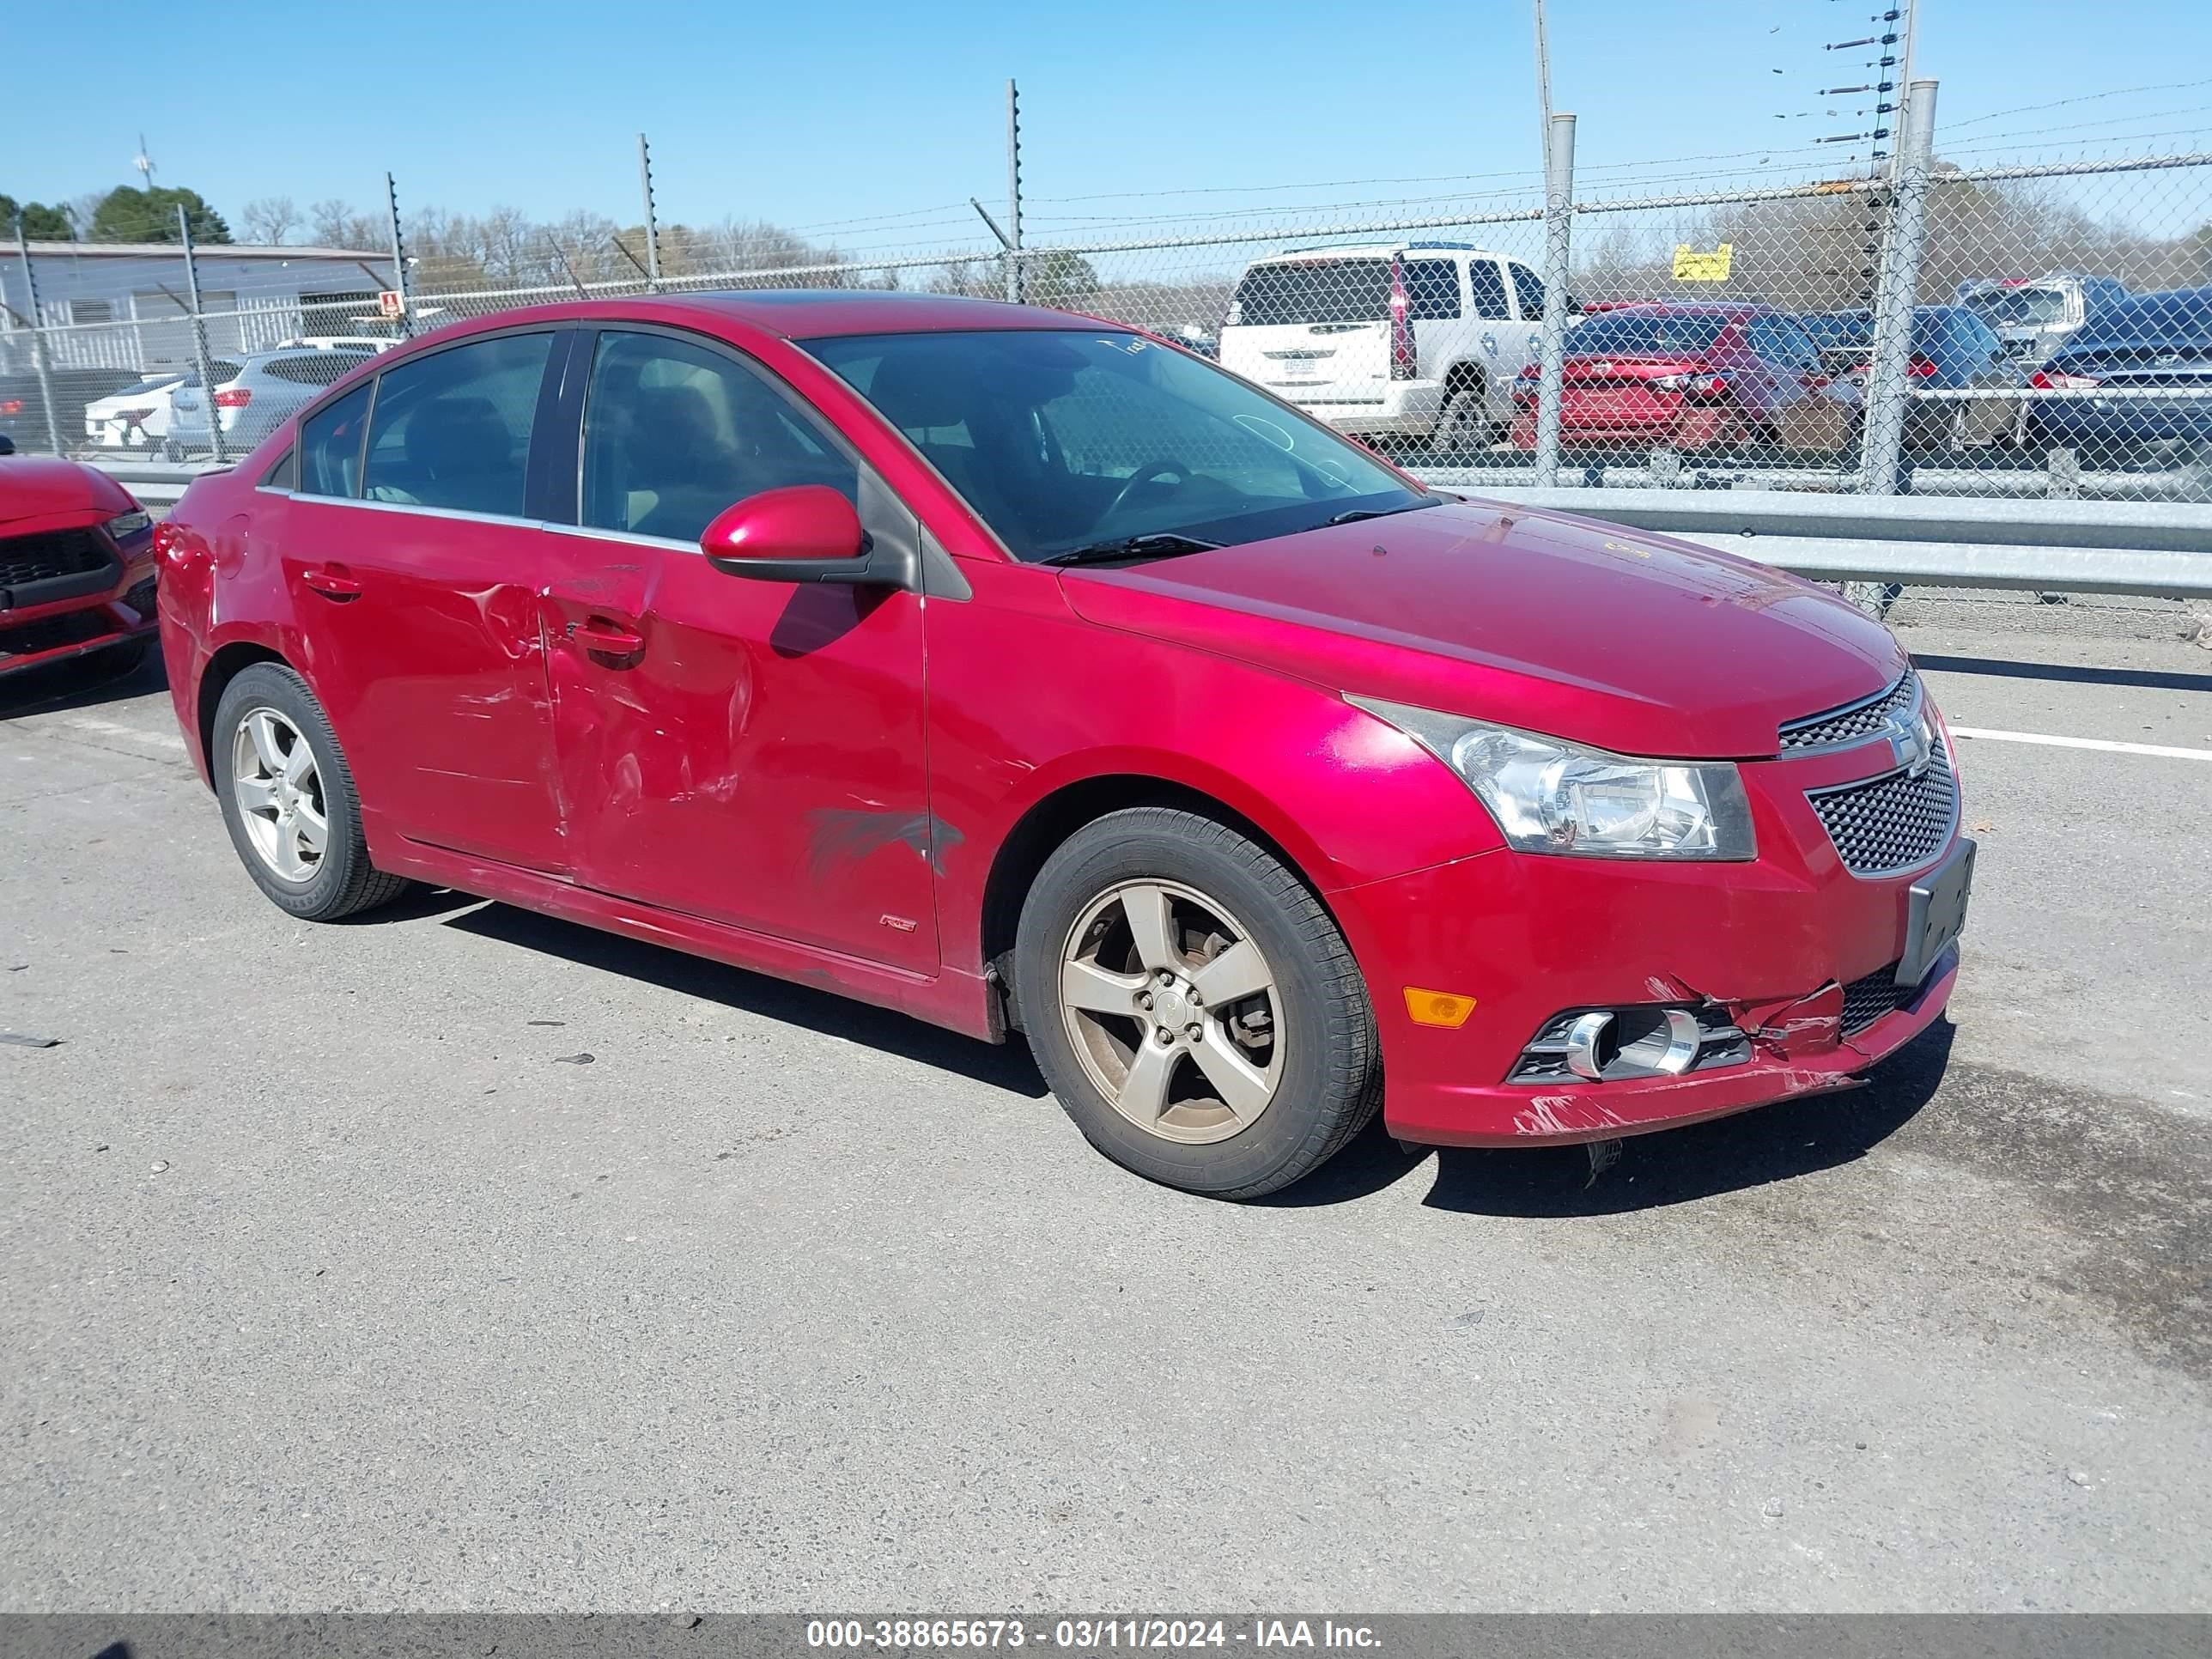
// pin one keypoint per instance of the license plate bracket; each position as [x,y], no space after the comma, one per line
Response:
[1935,913]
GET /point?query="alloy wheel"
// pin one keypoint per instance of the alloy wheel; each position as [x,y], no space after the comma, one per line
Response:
[280,795]
[1173,1011]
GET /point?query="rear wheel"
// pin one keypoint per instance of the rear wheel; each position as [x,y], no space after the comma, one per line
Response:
[1193,1006]
[1464,428]
[288,799]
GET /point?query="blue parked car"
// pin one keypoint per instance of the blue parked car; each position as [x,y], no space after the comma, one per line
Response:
[2140,378]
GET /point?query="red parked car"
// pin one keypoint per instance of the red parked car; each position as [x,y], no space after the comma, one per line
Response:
[1021,671]
[76,565]
[1696,379]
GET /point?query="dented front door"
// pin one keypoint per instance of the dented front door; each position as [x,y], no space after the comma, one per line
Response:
[747,751]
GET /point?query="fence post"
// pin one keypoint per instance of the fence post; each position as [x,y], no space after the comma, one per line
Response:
[652,223]
[1551,359]
[39,342]
[1014,193]
[1889,380]
[199,339]
[400,261]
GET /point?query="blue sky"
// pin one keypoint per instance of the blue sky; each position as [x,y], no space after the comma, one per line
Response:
[811,115]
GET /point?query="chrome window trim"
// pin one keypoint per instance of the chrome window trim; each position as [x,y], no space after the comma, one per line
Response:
[458,513]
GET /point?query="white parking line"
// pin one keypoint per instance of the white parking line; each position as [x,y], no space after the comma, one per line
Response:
[2164,751]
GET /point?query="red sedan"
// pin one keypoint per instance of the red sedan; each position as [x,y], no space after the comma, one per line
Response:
[1696,379]
[76,565]
[1023,671]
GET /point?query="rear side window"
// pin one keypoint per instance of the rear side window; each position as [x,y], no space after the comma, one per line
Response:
[453,429]
[1530,288]
[330,447]
[1312,291]
[1431,289]
[1488,288]
[322,369]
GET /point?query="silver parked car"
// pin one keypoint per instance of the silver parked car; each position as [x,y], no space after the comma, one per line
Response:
[263,389]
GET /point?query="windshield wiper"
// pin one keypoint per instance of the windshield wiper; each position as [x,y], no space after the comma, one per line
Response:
[1355,514]
[1160,544]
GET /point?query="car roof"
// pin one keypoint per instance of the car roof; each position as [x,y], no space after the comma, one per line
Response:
[1370,250]
[795,314]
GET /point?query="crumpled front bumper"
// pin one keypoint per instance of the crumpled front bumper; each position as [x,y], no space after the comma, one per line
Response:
[1770,943]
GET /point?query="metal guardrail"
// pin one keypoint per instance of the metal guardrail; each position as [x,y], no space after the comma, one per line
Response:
[2162,550]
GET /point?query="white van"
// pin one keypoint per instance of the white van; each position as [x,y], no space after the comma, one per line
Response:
[1417,341]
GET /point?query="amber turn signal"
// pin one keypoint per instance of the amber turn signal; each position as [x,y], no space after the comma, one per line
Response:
[1437,1007]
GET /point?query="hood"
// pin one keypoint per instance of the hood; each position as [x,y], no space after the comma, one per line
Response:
[35,486]
[1614,637]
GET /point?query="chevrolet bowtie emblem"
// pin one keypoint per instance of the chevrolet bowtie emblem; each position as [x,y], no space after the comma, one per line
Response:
[1909,743]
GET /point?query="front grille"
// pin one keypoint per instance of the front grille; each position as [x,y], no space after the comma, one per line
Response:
[26,559]
[51,632]
[1891,823]
[1854,722]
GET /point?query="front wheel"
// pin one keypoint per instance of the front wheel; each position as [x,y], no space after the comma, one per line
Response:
[288,799]
[1193,1006]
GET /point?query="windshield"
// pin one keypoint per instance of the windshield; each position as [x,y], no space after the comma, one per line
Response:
[2018,308]
[1312,291]
[1062,440]
[1643,334]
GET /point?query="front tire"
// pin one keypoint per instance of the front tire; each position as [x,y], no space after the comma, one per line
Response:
[1194,1006]
[289,798]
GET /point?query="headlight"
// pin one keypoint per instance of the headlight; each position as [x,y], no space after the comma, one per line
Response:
[129,524]
[1551,796]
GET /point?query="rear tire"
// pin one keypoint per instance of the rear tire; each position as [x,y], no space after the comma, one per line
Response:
[1248,991]
[274,797]
[1463,429]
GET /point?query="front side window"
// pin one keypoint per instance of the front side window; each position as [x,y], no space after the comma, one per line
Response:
[330,447]
[1488,288]
[453,429]
[1061,441]
[675,433]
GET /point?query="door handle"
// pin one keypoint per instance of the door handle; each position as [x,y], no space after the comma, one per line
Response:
[607,638]
[332,583]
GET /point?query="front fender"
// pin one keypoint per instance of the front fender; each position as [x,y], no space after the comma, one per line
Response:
[1020,713]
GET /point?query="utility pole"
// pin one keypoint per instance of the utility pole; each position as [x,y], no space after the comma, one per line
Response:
[1013,238]
[1544,80]
[652,223]
[200,337]
[399,260]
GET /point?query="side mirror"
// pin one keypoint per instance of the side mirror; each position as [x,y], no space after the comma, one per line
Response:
[7,444]
[801,533]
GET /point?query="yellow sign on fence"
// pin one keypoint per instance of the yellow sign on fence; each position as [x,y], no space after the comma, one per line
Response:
[1692,266]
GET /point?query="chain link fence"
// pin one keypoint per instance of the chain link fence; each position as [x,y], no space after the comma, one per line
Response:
[2008,328]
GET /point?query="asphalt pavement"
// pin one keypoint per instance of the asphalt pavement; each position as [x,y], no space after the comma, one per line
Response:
[458,1258]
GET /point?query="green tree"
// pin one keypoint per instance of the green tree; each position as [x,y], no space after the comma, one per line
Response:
[1060,278]
[41,223]
[128,214]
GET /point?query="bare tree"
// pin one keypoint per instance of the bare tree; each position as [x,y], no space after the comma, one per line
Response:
[268,218]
